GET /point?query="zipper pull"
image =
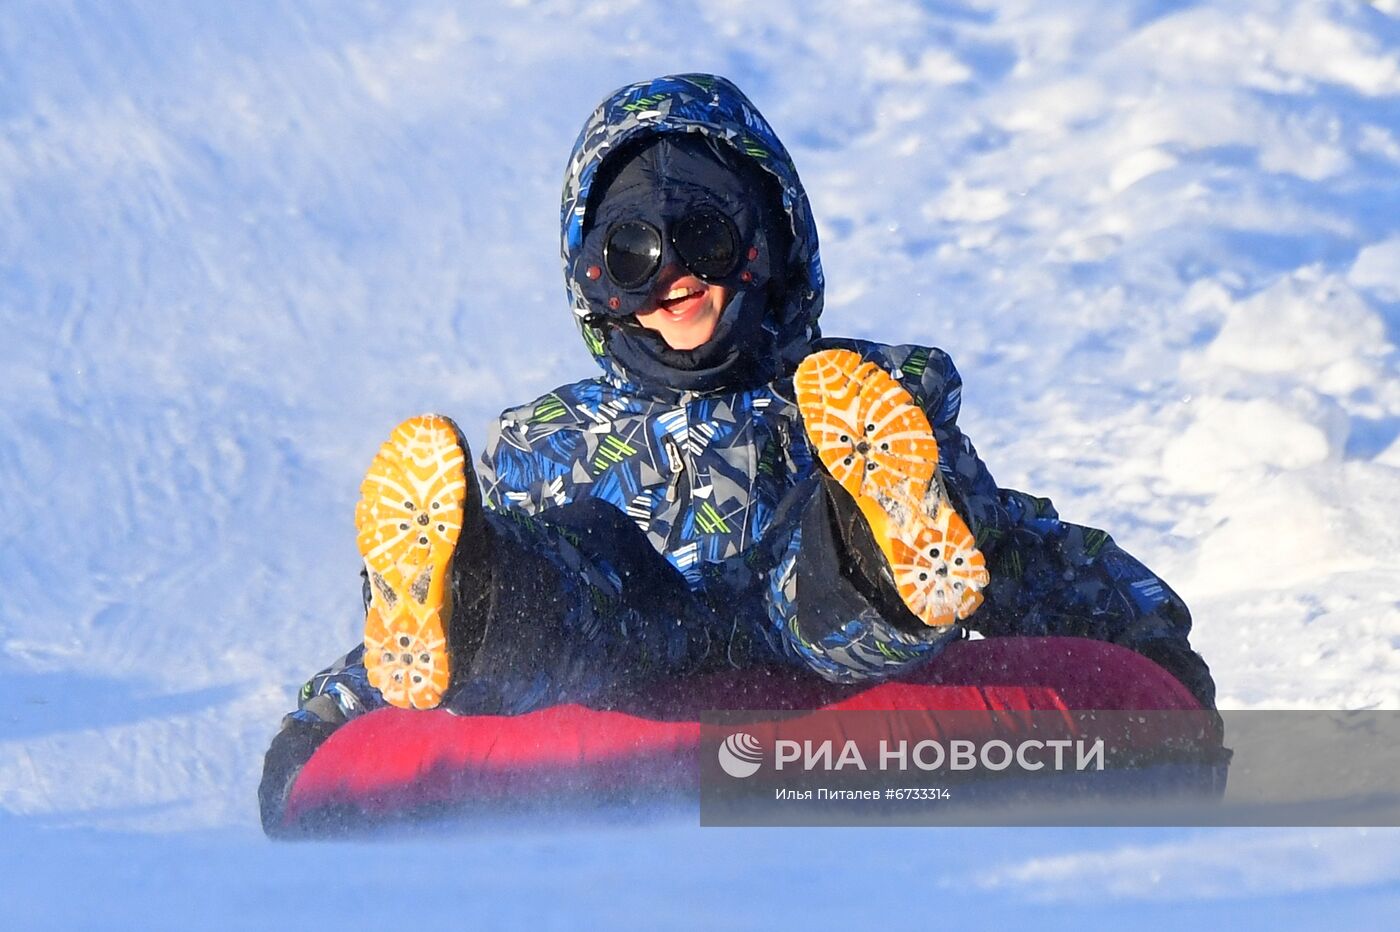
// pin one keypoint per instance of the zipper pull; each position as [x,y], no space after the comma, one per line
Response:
[673,453]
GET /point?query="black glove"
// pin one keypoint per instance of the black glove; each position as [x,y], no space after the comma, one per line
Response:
[289,752]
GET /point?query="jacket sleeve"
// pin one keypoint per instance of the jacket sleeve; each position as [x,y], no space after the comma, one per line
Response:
[338,693]
[826,611]
[1048,577]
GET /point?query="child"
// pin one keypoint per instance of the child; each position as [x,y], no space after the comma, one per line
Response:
[735,490]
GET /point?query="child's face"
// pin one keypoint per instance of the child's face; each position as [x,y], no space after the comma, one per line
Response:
[683,309]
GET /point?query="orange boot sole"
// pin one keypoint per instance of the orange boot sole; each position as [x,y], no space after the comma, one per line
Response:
[876,442]
[408,519]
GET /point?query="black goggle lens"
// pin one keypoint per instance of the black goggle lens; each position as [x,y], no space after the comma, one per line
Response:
[632,252]
[705,240]
[707,243]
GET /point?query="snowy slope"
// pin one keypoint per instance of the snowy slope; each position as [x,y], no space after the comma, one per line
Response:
[238,242]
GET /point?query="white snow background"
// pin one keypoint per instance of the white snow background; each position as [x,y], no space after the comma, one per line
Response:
[239,241]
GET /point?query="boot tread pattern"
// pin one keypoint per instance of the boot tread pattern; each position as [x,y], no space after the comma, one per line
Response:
[877,443]
[408,520]
[868,435]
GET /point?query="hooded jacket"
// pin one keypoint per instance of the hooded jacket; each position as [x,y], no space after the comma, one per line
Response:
[704,471]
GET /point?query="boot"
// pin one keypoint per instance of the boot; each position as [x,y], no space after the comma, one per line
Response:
[422,533]
[876,443]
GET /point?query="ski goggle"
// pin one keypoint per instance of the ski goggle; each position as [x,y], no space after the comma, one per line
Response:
[705,240]
[619,260]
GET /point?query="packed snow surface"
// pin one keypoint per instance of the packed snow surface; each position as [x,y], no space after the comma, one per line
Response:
[238,242]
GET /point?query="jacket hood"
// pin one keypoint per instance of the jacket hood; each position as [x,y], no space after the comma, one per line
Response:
[713,106]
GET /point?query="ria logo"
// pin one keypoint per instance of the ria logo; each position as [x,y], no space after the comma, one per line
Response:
[740,755]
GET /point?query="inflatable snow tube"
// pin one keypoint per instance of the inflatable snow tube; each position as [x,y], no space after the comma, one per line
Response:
[393,765]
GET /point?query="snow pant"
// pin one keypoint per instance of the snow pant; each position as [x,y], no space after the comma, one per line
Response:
[574,605]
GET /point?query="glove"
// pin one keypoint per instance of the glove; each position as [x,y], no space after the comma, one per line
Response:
[287,755]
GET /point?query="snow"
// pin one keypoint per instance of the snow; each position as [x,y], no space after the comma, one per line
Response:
[237,244]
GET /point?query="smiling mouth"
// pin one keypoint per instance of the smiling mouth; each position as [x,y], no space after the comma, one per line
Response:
[680,297]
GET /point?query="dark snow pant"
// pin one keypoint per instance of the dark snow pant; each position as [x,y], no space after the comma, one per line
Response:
[581,607]
[574,605]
